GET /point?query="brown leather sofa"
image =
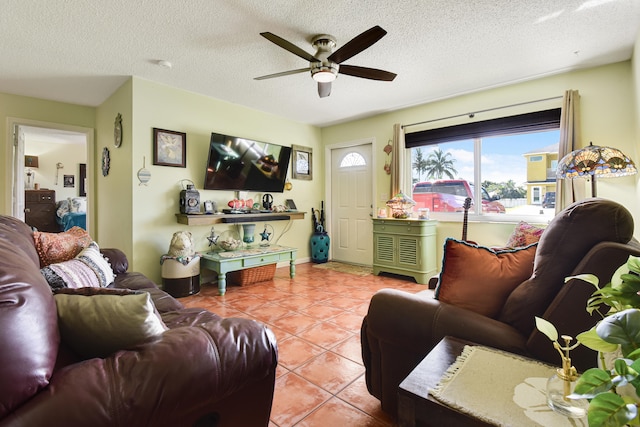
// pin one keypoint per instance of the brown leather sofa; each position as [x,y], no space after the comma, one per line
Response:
[203,371]
[592,236]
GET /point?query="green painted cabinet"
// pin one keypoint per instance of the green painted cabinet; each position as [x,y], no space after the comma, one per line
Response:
[406,247]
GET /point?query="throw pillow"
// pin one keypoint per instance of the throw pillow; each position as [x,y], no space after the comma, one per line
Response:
[77,204]
[94,259]
[523,235]
[96,322]
[58,247]
[480,279]
[88,269]
[70,274]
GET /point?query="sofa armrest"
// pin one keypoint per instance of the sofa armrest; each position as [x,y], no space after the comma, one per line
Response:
[568,311]
[401,328]
[117,259]
[407,320]
[188,374]
[138,281]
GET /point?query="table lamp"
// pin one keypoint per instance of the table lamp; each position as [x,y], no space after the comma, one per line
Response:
[400,205]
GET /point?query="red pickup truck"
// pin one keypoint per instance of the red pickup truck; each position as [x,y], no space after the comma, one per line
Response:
[448,195]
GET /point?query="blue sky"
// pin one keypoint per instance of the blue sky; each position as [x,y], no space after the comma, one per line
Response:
[502,157]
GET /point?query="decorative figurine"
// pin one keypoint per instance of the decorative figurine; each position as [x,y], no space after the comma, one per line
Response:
[213,239]
[266,235]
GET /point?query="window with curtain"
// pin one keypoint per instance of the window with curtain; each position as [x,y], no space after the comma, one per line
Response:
[513,158]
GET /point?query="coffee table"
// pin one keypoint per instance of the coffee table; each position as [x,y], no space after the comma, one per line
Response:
[224,262]
[416,407]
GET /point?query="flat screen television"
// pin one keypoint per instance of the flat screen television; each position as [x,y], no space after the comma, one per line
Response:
[244,164]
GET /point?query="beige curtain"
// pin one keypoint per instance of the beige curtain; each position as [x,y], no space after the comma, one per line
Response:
[397,160]
[569,190]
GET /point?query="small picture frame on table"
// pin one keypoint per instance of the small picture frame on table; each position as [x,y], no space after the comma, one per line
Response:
[209,207]
[302,162]
[169,148]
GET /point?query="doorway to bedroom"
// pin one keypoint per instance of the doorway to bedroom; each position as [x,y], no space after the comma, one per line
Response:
[51,175]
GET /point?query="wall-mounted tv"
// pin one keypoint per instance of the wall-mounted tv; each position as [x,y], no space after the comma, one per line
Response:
[244,164]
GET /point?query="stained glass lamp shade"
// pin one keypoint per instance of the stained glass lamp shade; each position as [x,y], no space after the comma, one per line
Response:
[595,161]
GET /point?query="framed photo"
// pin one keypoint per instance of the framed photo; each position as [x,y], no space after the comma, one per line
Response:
[169,148]
[69,181]
[302,162]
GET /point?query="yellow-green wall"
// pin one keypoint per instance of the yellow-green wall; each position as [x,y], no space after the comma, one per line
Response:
[114,199]
[26,108]
[607,113]
[153,207]
[141,219]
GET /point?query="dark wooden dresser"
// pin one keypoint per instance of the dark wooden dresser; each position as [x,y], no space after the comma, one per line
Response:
[40,210]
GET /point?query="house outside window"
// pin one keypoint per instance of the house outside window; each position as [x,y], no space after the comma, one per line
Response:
[515,167]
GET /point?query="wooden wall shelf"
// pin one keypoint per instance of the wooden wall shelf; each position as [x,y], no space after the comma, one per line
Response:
[209,219]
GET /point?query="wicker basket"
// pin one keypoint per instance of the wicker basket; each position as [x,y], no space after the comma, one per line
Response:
[251,275]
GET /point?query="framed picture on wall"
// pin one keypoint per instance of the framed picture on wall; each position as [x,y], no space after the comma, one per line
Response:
[69,181]
[169,148]
[82,180]
[302,162]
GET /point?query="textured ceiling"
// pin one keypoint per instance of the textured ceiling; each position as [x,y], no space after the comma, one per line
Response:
[81,51]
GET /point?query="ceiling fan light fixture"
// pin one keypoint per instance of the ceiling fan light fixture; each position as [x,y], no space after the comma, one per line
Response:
[324,73]
[325,76]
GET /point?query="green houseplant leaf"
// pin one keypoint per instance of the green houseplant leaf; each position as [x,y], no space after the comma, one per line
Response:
[589,278]
[591,383]
[614,392]
[621,328]
[547,328]
[591,339]
[627,291]
[610,410]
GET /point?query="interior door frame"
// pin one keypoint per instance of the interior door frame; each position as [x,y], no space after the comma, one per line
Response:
[328,178]
[13,161]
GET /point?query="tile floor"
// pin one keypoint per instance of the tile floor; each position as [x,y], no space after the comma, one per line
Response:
[316,318]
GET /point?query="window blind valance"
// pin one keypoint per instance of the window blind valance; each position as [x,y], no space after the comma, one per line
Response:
[521,123]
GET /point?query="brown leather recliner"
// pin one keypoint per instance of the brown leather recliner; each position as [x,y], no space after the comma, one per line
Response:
[592,236]
[204,371]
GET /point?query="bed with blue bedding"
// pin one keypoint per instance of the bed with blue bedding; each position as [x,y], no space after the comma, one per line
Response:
[72,212]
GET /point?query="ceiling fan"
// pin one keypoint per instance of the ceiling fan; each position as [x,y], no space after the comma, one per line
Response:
[326,64]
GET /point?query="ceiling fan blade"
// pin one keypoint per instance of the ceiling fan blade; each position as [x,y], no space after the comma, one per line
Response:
[357,44]
[324,89]
[366,73]
[287,45]
[284,73]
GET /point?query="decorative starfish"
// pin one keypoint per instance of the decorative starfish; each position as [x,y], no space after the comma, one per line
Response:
[265,234]
[213,239]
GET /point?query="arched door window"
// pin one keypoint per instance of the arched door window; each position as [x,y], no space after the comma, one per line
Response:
[352,159]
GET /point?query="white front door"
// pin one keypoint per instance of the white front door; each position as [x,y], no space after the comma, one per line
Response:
[351,204]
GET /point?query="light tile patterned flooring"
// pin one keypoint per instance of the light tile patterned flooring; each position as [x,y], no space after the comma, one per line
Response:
[316,318]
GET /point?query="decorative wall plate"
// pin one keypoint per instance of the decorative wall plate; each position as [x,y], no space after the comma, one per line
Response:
[106,161]
[117,131]
[143,174]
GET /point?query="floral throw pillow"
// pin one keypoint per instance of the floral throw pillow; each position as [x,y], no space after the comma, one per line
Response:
[524,235]
[58,247]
